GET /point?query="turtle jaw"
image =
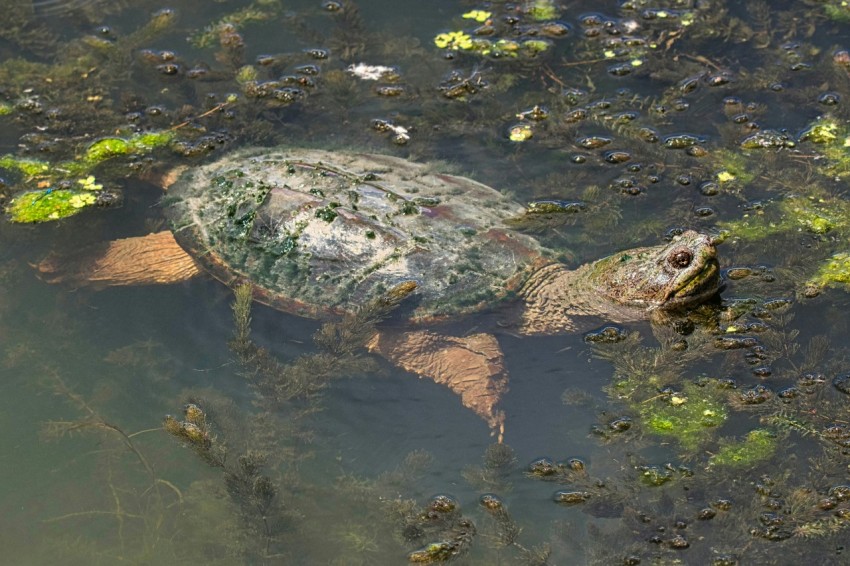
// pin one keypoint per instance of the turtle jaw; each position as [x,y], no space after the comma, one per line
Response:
[694,289]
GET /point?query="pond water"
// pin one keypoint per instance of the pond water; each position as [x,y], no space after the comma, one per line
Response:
[720,435]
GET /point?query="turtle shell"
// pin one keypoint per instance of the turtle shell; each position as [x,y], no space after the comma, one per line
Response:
[320,232]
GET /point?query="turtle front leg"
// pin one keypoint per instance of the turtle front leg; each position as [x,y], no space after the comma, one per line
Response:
[471,366]
[144,260]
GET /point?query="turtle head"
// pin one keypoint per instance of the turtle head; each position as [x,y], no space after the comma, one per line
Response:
[680,273]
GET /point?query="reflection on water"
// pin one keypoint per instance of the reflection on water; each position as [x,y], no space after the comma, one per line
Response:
[716,436]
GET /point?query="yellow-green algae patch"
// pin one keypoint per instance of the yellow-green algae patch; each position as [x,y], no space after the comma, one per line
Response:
[107,148]
[759,445]
[810,214]
[733,166]
[542,10]
[688,416]
[834,272]
[49,204]
[28,167]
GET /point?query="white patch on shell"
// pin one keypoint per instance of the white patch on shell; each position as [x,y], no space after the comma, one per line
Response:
[347,242]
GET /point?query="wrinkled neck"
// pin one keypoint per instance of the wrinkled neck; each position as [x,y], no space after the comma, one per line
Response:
[556,298]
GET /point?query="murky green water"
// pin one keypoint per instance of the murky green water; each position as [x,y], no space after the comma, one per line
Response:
[720,436]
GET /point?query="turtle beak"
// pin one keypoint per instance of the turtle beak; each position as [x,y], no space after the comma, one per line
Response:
[697,288]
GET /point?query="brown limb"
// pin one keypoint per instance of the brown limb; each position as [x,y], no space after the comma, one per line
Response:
[471,366]
[145,260]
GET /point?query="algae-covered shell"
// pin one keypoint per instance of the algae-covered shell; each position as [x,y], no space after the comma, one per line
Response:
[320,231]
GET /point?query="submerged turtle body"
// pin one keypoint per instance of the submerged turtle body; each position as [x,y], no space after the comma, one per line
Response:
[318,231]
[321,232]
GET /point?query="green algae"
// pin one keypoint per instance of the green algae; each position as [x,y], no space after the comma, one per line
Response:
[246,74]
[259,11]
[49,204]
[759,445]
[542,10]
[809,214]
[98,152]
[107,148]
[822,131]
[687,416]
[834,272]
[28,167]
[837,10]
[733,166]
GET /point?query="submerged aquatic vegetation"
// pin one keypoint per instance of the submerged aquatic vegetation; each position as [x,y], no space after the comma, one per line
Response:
[687,415]
[49,204]
[834,272]
[340,342]
[756,447]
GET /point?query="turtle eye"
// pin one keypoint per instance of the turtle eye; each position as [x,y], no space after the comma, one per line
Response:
[680,259]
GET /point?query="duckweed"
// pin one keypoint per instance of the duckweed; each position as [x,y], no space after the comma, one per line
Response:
[453,40]
[477,15]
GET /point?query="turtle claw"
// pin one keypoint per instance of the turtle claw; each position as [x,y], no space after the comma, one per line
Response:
[471,366]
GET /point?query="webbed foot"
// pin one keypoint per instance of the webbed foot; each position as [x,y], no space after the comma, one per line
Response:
[471,366]
[144,260]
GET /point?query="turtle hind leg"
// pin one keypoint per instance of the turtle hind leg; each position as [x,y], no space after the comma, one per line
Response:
[471,366]
[144,260]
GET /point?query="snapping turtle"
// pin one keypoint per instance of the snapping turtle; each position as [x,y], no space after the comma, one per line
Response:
[319,232]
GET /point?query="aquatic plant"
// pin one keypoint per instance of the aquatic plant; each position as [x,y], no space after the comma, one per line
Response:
[49,204]
[757,446]
[687,415]
[340,342]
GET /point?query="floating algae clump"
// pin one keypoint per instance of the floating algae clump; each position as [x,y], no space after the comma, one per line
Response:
[108,148]
[542,10]
[759,445]
[834,272]
[810,214]
[49,204]
[733,166]
[54,203]
[28,167]
[96,153]
[687,416]
[822,131]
